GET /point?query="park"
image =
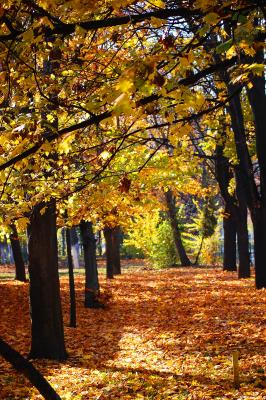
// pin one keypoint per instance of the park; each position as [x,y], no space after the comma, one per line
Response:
[132,200]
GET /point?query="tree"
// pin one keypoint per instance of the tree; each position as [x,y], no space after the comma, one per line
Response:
[148,79]
[25,367]
[17,254]
[91,272]
[72,295]
[47,334]
[229,245]
[171,210]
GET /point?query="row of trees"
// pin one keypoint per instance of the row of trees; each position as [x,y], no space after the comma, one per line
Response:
[104,106]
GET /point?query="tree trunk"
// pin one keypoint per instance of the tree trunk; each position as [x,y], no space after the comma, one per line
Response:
[17,254]
[47,324]
[108,251]
[91,270]
[243,245]
[72,295]
[25,367]
[259,225]
[116,232]
[74,247]
[257,99]
[242,229]
[229,257]
[236,207]
[99,244]
[171,211]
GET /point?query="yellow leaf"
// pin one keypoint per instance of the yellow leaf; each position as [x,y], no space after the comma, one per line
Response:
[231,52]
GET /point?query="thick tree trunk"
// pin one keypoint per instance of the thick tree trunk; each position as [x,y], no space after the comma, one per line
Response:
[108,251]
[171,211]
[17,254]
[229,257]
[72,295]
[25,367]
[257,99]
[259,225]
[47,324]
[91,270]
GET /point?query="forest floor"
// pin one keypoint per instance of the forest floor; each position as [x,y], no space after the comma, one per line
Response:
[165,334]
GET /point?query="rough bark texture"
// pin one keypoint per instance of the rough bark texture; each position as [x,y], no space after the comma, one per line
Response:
[171,210]
[229,256]
[17,254]
[72,295]
[91,270]
[28,370]
[47,324]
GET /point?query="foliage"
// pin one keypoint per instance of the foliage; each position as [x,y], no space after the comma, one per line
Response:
[153,341]
[92,90]
[152,234]
[130,251]
[200,235]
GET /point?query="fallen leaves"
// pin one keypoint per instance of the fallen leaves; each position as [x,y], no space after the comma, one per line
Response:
[164,335]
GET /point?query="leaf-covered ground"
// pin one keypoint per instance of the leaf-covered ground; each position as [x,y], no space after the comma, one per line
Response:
[164,335]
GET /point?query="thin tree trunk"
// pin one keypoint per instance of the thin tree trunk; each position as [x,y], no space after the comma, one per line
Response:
[47,331]
[99,246]
[171,210]
[25,367]
[91,271]
[108,250]
[72,295]
[229,257]
[63,241]
[116,232]
[199,251]
[242,229]
[236,206]
[74,247]
[17,254]
[243,246]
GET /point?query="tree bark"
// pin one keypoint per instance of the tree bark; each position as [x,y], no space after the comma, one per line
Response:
[17,254]
[243,245]
[25,367]
[72,295]
[236,207]
[108,251]
[47,324]
[229,256]
[91,271]
[116,233]
[171,211]
[257,100]
[259,225]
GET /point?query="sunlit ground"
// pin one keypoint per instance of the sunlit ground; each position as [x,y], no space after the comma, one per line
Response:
[164,335]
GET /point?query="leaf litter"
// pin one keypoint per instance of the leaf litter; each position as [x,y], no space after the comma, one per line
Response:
[165,334]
